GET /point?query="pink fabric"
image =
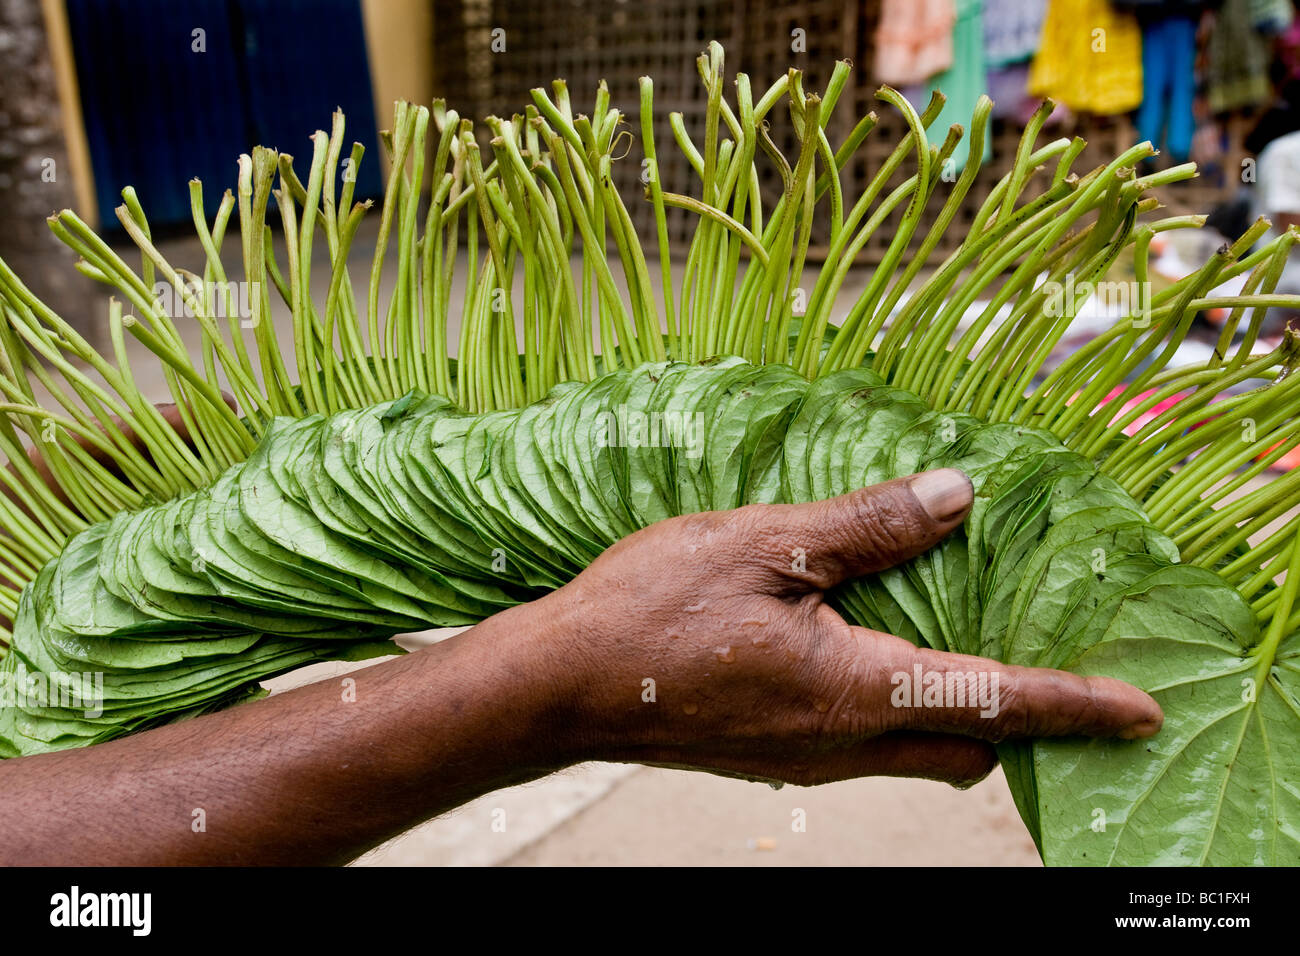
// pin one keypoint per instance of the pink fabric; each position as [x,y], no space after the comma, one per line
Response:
[1288,49]
[914,40]
[1285,463]
[1137,424]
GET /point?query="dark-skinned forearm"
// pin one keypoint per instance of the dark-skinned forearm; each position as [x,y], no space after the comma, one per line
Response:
[304,777]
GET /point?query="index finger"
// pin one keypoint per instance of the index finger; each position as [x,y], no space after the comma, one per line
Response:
[956,693]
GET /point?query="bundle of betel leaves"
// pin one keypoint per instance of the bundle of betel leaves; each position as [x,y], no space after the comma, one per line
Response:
[371,484]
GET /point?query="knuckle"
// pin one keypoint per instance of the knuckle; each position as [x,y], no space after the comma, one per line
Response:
[886,529]
[1014,717]
[771,538]
[1079,703]
[842,719]
[705,524]
[756,528]
[840,711]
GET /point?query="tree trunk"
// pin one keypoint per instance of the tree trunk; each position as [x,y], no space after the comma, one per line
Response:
[35,176]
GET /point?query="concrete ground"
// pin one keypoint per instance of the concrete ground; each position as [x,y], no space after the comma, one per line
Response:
[612,815]
[674,818]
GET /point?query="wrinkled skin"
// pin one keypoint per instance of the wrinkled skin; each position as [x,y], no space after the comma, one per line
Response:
[755,674]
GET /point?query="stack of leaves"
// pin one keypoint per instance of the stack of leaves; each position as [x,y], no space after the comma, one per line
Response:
[383,486]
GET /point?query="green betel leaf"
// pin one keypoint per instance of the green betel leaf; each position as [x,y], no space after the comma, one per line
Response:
[1220,784]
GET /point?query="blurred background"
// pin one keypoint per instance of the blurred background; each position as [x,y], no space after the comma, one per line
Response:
[1194,78]
[96,95]
[99,94]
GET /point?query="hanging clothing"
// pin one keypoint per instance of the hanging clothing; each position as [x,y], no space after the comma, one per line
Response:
[1090,57]
[1239,57]
[1288,52]
[1276,189]
[1165,117]
[1160,9]
[1276,193]
[914,40]
[1011,30]
[963,83]
[1008,88]
[1271,16]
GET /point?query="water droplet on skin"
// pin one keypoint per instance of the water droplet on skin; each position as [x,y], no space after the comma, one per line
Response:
[725,654]
[694,608]
[759,642]
[821,706]
[690,709]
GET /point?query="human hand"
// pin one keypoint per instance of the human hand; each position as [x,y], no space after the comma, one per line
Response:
[701,642]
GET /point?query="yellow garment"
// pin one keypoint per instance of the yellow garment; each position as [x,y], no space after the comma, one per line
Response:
[1089,57]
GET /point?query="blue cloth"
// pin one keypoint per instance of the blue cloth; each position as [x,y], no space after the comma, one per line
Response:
[1012,29]
[1168,85]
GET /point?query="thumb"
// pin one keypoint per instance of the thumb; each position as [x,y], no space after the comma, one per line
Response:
[874,528]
